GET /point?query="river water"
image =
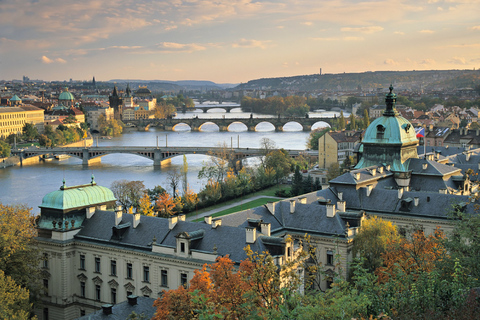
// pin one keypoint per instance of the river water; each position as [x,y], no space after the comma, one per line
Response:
[28,184]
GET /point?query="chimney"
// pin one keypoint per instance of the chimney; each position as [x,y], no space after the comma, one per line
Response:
[373,172]
[400,193]
[369,189]
[118,215]
[477,132]
[380,170]
[340,196]
[107,309]
[443,191]
[479,166]
[172,221]
[271,207]
[132,300]
[330,210]
[181,217]
[216,223]
[292,206]
[387,167]
[467,157]
[91,211]
[302,200]
[424,166]
[265,228]
[208,219]
[251,234]
[416,200]
[136,220]
[341,205]
[356,175]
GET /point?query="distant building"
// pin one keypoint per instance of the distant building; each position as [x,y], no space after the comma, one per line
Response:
[13,119]
[66,98]
[336,146]
[116,103]
[94,112]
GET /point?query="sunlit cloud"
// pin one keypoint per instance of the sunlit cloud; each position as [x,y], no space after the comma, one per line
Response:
[325,39]
[308,23]
[475,28]
[399,33]
[371,29]
[251,43]
[427,62]
[458,60]
[47,60]
[390,62]
[179,47]
[427,31]
[353,38]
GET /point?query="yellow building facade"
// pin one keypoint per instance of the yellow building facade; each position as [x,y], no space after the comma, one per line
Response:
[13,119]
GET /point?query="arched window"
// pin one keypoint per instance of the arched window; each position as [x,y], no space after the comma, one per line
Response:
[380,131]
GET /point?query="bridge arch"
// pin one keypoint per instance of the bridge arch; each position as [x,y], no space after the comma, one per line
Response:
[208,126]
[237,126]
[264,126]
[182,126]
[320,124]
[292,126]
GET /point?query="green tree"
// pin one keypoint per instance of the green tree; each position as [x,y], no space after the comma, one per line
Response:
[14,300]
[333,171]
[341,121]
[4,149]
[352,125]
[184,173]
[30,132]
[280,161]
[128,193]
[372,240]
[297,182]
[217,166]
[312,141]
[366,119]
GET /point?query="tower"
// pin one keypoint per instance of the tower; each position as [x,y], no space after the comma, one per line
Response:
[116,102]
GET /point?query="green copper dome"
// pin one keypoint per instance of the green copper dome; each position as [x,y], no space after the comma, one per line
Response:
[65,95]
[15,98]
[77,196]
[390,130]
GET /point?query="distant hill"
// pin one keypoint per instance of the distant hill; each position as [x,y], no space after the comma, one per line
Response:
[167,85]
[431,79]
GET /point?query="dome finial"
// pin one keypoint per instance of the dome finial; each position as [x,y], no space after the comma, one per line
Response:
[93,179]
[390,100]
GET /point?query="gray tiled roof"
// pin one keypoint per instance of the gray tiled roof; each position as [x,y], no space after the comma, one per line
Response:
[122,310]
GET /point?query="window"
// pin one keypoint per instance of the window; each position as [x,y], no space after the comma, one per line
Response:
[45,260]
[182,247]
[113,267]
[330,257]
[97,292]
[45,313]
[82,289]
[97,264]
[82,262]
[82,312]
[146,274]
[45,286]
[183,279]
[113,294]
[129,293]
[380,131]
[164,278]
[129,271]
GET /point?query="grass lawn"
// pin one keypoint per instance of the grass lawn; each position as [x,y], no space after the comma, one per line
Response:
[252,204]
[270,192]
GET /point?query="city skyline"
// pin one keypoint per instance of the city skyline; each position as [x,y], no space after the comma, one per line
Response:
[233,41]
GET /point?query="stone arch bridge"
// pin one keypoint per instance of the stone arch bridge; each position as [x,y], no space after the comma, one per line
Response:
[92,155]
[223,123]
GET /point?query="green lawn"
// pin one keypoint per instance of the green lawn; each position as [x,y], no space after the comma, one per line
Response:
[270,192]
[252,204]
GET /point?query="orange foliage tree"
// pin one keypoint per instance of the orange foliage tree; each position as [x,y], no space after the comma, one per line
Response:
[166,205]
[412,256]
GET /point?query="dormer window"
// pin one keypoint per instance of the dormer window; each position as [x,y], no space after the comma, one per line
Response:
[182,246]
[380,131]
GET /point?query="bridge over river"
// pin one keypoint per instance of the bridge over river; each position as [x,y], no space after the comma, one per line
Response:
[91,155]
[251,123]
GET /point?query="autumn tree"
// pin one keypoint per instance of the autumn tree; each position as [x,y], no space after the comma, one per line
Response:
[165,205]
[145,205]
[279,160]
[341,121]
[14,300]
[184,172]
[312,140]
[372,240]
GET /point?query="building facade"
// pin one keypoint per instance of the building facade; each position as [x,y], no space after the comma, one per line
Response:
[336,146]
[13,119]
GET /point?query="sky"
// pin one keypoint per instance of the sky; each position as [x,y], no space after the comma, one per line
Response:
[232,41]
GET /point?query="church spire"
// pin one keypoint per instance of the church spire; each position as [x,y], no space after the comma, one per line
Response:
[390,100]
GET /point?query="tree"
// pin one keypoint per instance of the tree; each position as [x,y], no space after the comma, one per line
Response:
[280,161]
[352,122]
[145,205]
[189,200]
[372,240]
[297,183]
[184,173]
[4,149]
[14,300]
[19,256]
[333,171]
[173,179]
[216,168]
[366,119]
[341,121]
[266,146]
[166,205]
[128,193]
[30,132]
[155,192]
[312,142]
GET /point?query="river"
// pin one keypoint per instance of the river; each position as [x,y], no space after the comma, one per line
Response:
[28,184]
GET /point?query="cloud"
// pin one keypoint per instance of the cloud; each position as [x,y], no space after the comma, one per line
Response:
[399,33]
[458,60]
[325,39]
[475,28]
[308,23]
[390,62]
[179,47]
[426,31]
[245,43]
[353,38]
[47,60]
[371,29]
[427,62]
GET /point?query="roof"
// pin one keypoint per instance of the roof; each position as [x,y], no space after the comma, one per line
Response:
[396,130]
[65,95]
[346,136]
[122,310]
[77,196]
[15,98]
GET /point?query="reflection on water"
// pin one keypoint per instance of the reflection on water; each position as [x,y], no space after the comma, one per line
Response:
[29,184]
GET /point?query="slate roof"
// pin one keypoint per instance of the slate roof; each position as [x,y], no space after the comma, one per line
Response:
[122,310]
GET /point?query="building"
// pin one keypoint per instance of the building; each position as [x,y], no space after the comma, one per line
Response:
[66,98]
[116,103]
[336,146]
[94,254]
[142,306]
[94,112]
[13,119]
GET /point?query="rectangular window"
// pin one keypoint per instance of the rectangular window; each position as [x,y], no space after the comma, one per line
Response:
[129,271]
[146,274]
[82,312]
[97,264]
[113,294]
[330,257]
[45,287]
[97,292]
[182,247]
[82,289]
[113,267]
[183,279]
[82,262]
[164,278]
[45,260]
[45,313]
